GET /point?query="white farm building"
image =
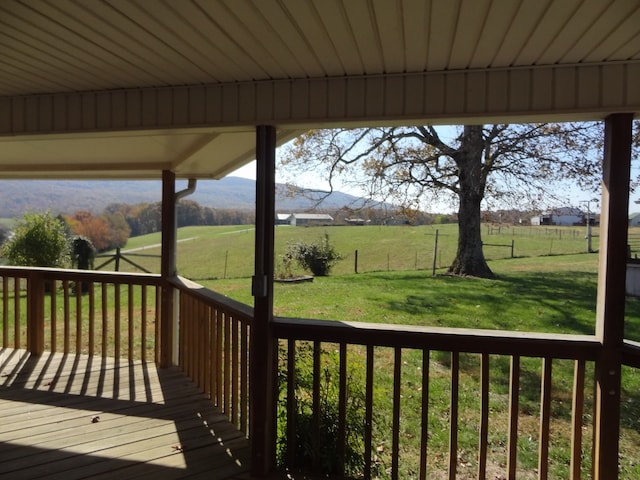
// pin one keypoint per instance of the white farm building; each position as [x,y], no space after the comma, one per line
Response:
[560,216]
[304,219]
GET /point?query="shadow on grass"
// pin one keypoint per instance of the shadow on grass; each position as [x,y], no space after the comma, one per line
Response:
[562,302]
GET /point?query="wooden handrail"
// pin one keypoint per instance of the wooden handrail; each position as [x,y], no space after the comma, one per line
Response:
[531,344]
[212,298]
[631,353]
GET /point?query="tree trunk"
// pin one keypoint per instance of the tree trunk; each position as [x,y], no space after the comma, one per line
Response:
[470,259]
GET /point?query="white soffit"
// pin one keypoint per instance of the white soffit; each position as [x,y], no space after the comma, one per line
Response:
[190,153]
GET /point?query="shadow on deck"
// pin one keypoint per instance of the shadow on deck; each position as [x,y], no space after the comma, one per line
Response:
[74,416]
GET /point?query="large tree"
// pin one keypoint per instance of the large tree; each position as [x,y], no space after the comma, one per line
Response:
[416,166]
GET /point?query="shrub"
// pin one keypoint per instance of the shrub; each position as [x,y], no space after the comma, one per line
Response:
[327,455]
[318,258]
[39,240]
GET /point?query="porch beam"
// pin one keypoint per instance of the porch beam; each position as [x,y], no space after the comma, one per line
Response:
[263,343]
[167,268]
[611,292]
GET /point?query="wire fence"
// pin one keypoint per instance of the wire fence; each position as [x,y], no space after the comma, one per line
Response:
[403,249]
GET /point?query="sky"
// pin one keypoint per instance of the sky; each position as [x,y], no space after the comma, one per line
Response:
[580,199]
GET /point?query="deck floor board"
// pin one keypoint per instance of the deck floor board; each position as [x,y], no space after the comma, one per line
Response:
[74,416]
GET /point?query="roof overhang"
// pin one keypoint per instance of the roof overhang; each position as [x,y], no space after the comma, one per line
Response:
[126,89]
[202,153]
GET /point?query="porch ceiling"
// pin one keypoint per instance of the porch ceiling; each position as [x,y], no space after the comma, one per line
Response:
[58,57]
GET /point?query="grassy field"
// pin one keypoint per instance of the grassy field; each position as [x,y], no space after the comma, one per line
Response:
[550,286]
[208,253]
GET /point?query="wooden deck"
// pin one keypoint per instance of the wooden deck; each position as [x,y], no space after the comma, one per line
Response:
[75,416]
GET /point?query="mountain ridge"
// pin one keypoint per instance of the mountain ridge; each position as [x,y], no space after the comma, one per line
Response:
[69,196]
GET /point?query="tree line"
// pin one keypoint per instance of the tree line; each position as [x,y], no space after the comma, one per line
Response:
[112,228]
[46,240]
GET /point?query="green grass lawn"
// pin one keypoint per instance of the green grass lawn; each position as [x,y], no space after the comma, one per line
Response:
[549,287]
[207,253]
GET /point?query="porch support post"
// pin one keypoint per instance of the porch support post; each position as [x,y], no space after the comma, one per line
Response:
[611,292]
[167,268]
[263,353]
[35,313]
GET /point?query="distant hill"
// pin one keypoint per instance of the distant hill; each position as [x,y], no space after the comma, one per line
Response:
[69,196]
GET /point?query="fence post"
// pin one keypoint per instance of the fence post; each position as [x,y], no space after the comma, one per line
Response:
[355,262]
[512,242]
[35,313]
[435,254]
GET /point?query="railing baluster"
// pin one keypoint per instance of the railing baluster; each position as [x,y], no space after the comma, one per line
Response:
[191,339]
[16,312]
[65,303]
[202,344]
[219,340]
[143,323]
[368,422]
[576,420]
[78,317]
[188,324]
[130,330]
[424,434]
[484,416]
[514,388]
[291,402]
[116,319]
[395,442]
[213,357]
[545,414]
[227,363]
[5,311]
[182,345]
[342,409]
[234,371]
[156,324]
[453,426]
[54,315]
[244,376]
[92,318]
[315,422]
[206,322]
[105,321]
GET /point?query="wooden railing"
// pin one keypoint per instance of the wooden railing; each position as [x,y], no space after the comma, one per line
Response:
[214,348]
[388,401]
[423,393]
[118,315]
[77,311]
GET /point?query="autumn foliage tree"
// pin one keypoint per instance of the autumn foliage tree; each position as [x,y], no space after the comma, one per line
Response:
[104,231]
[415,167]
